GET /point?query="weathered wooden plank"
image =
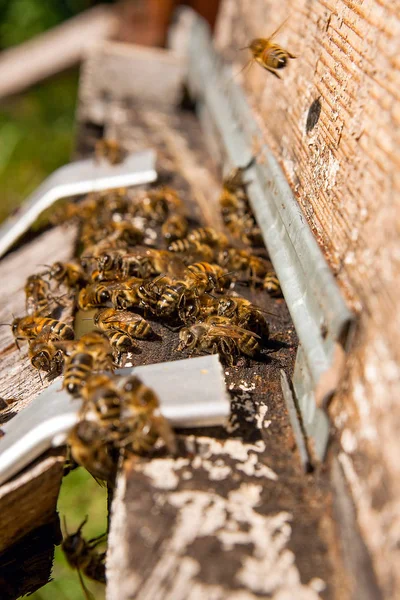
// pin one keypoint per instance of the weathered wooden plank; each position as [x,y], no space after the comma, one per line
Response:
[333,124]
[28,502]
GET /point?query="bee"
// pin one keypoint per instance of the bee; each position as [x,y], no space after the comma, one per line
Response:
[94,295]
[79,211]
[38,296]
[132,324]
[110,150]
[172,299]
[271,284]
[125,294]
[128,411]
[142,418]
[243,313]
[150,292]
[174,228]
[125,232]
[157,204]
[217,335]
[206,277]
[209,236]
[70,274]
[121,343]
[82,555]
[45,356]
[91,450]
[92,352]
[31,326]
[269,55]
[192,251]
[254,267]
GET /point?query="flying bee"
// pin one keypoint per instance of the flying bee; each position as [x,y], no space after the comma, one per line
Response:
[94,295]
[92,352]
[110,150]
[174,228]
[269,55]
[91,450]
[31,326]
[132,324]
[209,236]
[271,285]
[82,555]
[70,274]
[45,356]
[242,312]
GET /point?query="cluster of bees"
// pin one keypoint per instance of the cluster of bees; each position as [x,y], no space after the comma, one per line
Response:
[141,262]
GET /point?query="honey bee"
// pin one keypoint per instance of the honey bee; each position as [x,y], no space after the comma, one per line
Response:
[91,450]
[125,232]
[243,313]
[172,299]
[142,418]
[132,324]
[70,274]
[94,295]
[82,555]
[269,55]
[45,356]
[110,150]
[206,277]
[175,228]
[79,211]
[128,411]
[192,251]
[92,352]
[151,291]
[121,343]
[38,296]
[271,285]
[209,236]
[156,204]
[217,335]
[31,326]
[254,267]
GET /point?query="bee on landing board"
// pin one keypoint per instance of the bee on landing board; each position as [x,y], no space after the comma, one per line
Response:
[268,55]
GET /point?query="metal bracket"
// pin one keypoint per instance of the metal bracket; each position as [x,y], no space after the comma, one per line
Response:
[320,315]
[80,177]
[192,393]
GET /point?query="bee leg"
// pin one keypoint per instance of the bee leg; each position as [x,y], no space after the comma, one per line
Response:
[291,55]
[166,433]
[88,595]
[273,72]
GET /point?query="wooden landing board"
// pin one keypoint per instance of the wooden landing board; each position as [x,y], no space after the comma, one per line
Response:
[233,516]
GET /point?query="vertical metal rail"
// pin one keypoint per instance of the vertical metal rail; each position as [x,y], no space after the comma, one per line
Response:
[320,315]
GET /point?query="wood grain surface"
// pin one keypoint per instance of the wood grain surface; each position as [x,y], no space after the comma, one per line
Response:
[333,124]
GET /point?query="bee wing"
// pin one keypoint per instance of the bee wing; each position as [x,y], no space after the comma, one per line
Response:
[232,331]
[67,346]
[122,316]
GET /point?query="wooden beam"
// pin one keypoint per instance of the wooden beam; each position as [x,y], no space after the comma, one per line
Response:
[54,51]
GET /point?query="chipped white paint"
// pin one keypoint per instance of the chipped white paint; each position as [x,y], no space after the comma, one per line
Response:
[232,521]
[117,554]
[261,421]
[163,472]
[254,468]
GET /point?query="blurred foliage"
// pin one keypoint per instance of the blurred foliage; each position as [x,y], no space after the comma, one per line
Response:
[80,496]
[21,20]
[36,136]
